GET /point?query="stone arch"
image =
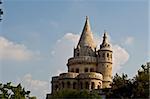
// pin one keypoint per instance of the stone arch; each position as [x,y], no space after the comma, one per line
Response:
[63,84]
[98,87]
[86,85]
[81,85]
[74,85]
[68,84]
[92,85]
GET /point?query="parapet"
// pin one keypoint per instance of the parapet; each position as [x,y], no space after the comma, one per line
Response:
[90,75]
[81,59]
[68,75]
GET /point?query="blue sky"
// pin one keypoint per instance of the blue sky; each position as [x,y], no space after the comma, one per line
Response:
[37,36]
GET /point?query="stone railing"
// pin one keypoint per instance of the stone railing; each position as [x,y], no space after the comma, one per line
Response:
[68,75]
[90,75]
[81,59]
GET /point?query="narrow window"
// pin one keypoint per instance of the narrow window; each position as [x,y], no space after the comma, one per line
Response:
[72,70]
[77,70]
[77,53]
[86,69]
[91,69]
[93,85]
[103,54]
[98,87]
[63,85]
[107,54]
[68,84]
[56,87]
[81,85]
[86,85]
[74,85]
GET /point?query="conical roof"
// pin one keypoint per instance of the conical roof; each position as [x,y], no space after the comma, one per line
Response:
[86,38]
[105,44]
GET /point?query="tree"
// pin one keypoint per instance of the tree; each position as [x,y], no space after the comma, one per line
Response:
[121,87]
[138,87]
[7,91]
[75,94]
[141,83]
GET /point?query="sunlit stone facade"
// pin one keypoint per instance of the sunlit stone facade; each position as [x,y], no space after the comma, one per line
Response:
[89,68]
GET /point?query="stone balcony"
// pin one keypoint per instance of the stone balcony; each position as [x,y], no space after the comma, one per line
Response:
[81,59]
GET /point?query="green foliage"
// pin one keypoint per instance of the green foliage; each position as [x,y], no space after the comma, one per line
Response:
[75,94]
[138,87]
[141,83]
[7,91]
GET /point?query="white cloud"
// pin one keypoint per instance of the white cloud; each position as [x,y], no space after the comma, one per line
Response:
[63,50]
[13,51]
[120,57]
[129,40]
[38,88]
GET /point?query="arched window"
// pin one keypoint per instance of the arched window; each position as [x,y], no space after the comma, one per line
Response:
[77,53]
[93,85]
[77,70]
[86,70]
[91,69]
[74,85]
[98,87]
[107,54]
[72,70]
[56,87]
[68,84]
[103,54]
[81,85]
[63,85]
[86,85]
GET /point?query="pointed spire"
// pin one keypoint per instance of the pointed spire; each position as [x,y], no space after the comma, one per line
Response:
[105,43]
[105,37]
[86,38]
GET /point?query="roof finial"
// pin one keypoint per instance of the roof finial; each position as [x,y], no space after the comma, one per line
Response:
[87,17]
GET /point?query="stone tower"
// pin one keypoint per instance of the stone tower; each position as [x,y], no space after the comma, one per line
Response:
[105,61]
[84,59]
[89,68]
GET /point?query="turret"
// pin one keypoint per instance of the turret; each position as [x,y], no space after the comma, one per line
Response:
[86,45]
[105,61]
[85,52]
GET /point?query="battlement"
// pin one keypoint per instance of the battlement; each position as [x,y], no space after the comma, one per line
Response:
[82,59]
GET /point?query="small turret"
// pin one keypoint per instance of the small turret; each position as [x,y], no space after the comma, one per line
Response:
[105,44]
[105,61]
